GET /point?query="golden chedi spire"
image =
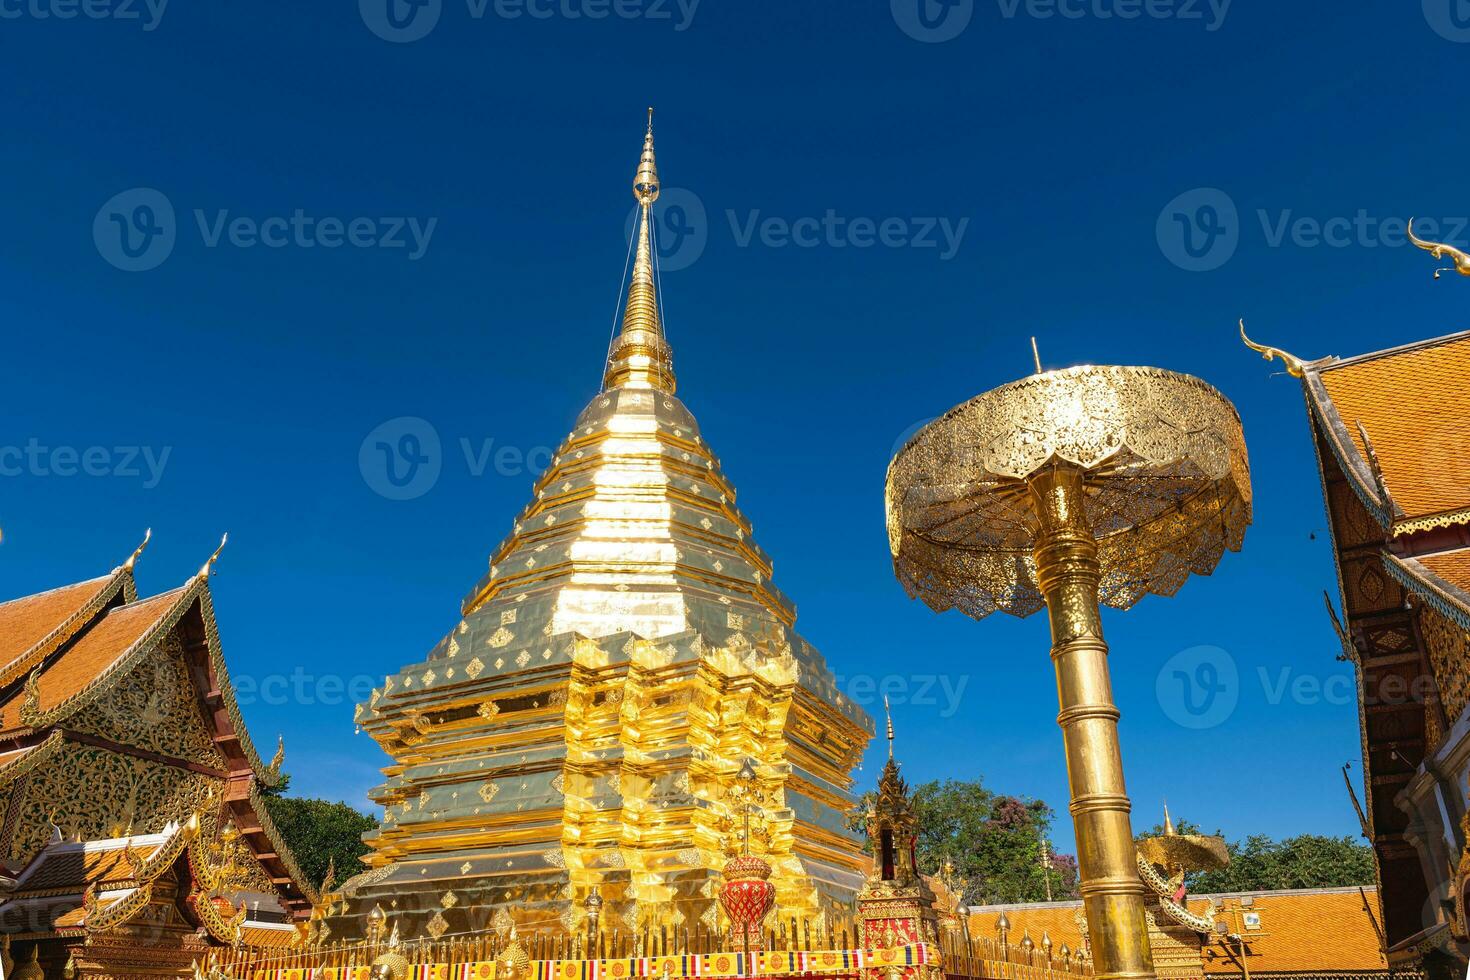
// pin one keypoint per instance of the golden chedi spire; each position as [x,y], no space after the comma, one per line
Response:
[640,356]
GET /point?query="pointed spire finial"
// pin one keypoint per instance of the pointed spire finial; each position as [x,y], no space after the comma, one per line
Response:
[639,356]
[888,714]
[1168,821]
[1036,355]
[138,551]
[208,567]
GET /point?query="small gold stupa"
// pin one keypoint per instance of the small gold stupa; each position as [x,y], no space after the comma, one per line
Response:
[576,735]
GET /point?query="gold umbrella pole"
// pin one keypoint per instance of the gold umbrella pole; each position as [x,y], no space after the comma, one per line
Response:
[1067,574]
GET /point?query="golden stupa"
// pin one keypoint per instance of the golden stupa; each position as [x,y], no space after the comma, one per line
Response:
[577,733]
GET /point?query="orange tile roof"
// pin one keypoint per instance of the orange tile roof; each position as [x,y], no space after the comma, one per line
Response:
[91,655]
[1301,931]
[1318,930]
[1055,919]
[26,621]
[1452,566]
[1415,404]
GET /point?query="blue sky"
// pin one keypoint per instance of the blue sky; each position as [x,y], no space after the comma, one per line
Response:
[821,312]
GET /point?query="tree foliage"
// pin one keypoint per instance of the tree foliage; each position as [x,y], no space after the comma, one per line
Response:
[1260,863]
[319,832]
[994,841]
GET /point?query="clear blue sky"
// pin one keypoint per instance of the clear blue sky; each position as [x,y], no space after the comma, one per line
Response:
[1058,141]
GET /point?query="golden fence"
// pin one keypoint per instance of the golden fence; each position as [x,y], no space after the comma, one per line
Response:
[963,955]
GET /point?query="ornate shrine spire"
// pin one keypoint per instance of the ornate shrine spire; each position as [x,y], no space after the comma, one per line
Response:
[640,356]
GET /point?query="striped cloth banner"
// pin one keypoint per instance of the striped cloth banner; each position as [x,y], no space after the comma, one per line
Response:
[773,963]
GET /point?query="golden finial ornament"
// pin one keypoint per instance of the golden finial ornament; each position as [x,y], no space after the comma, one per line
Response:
[1294,365]
[640,356]
[208,567]
[138,551]
[1168,822]
[1036,355]
[1440,250]
[888,714]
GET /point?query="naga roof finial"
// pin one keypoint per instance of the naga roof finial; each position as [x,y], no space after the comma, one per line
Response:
[1294,365]
[1439,250]
[138,551]
[208,567]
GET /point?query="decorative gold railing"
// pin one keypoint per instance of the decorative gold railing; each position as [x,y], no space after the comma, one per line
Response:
[451,956]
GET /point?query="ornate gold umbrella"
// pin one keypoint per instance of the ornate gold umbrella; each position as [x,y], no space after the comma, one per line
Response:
[1066,489]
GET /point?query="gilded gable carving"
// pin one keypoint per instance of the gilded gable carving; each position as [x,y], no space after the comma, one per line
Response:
[89,790]
[154,708]
[1449,657]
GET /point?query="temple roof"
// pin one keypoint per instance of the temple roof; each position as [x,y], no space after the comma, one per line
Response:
[89,659]
[32,627]
[82,640]
[1413,402]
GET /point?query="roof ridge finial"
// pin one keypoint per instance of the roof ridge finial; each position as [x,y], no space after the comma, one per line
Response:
[1294,365]
[208,567]
[640,357]
[1439,250]
[133,558]
[888,714]
[1168,821]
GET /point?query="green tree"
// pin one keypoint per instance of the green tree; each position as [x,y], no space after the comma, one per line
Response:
[1261,864]
[995,842]
[319,832]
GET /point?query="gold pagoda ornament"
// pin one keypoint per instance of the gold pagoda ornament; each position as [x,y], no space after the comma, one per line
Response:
[1068,489]
[896,906]
[579,729]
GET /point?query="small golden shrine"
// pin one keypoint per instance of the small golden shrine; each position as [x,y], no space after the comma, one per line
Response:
[896,906]
[580,731]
